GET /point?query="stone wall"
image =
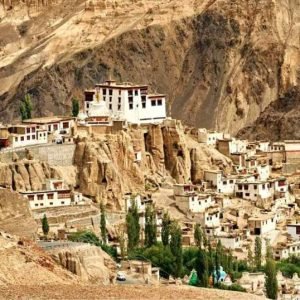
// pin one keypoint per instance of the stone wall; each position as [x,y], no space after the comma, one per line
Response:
[54,154]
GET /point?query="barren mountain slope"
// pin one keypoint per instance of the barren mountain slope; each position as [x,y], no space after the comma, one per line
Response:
[280,120]
[220,62]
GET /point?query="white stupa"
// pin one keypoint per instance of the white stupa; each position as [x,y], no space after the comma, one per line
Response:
[98,108]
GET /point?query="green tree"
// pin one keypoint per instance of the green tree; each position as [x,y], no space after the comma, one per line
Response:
[150,226]
[269,251]
[218,258]
[103,223]
[26,107]
[75,107]
[271,283]
[165,229]
[250,257]
[176,247]
[257,252]
[202,268]
[133,226]
[198,236]
[121,239]
[45,225]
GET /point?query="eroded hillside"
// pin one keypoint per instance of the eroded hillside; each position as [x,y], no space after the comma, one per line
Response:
[220,62]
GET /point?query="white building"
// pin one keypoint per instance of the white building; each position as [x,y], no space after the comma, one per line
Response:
[262,223]
[214,178]
[26,135]
[210,220]
[253,190]
[283,251]
[209,137]
[227,185]
[294,230]
[128,102]
[141,201]
[263,172]
[55,124]
[55,194]
[230,241]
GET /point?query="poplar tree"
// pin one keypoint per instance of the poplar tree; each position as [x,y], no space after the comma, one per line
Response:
[133,226]
[271,283]
[202,268]
[45,225]
[218,258]
[150,226]
[257,252]
[103,223]
[250,257]
[165,229]
[26,107]
[269,252]
[176,247]
[75,107]
[198,236]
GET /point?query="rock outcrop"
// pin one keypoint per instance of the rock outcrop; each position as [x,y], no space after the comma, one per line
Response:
[15,215]
[24,263]
[279,121]
[90,263]
[108,168]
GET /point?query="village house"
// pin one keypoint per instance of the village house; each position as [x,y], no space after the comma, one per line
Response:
[55,194]
[141,201]
[209,137]
[230,240]
[210,220]
[128,102]
[284,250]
[26,135]
[213,178]
[294,230]
[260,224]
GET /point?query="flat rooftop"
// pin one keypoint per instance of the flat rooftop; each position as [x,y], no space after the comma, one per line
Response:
[45,120]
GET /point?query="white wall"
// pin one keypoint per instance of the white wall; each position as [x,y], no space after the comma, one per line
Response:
[213,177]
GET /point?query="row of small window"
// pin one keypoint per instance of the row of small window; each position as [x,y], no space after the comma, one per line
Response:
[199,201]
[40,197]
[246,187]
[230,182]
[110,92]
[153,103]
[210,218]
[28,137]
[50,203]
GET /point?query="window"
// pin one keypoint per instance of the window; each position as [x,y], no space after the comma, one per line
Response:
[104,91]
[16,139]
[263,186]
[110,106]
[36,204]
[119,106]
[136,92]
[240,187]
[28,137]
[22,138]
[40,197]
[130,93]
[51,203]
[246,187]
[87,105]
[119,92]
[119,100]
[159,102]
[27,130]
[247,194]
[62,202]
[49,127]
[65,125]
[41,204]
[224,182]
[55,126]
[230,181]
[255,186]
[110,99]
[143,101]
[33,129]
[110,92]
[153,103]
[30,197]
[44,134]
[33,137]
[50,196]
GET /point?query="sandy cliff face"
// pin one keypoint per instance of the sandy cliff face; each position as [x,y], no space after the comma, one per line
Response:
[279,121]
[220,62]
[107,167]
[90,263]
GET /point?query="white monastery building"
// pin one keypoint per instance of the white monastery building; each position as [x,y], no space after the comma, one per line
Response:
[128,102]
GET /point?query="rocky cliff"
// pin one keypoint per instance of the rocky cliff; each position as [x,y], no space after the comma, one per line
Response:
[15,215]
[220,62]
[90,263]
[279,121]
[108,168]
